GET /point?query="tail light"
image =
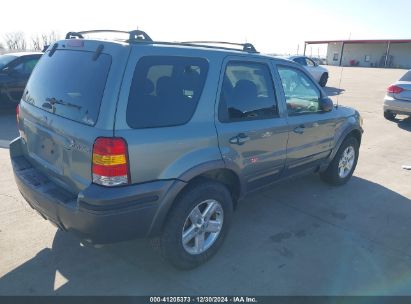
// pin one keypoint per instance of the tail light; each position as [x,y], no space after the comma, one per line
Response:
[17,113]
[394,89]
[110,162]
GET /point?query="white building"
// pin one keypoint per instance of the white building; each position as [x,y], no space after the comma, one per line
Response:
[394,53]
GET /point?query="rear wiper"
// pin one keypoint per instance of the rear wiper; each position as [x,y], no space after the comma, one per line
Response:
[52,101]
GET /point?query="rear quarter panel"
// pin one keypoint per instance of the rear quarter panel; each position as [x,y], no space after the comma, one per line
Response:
[169,152]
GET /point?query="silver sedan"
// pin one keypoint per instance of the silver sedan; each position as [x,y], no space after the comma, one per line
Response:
[398,98]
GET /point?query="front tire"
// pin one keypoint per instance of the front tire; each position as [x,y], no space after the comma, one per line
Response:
[197,225]
[343,164]
[323,80]
[389,115]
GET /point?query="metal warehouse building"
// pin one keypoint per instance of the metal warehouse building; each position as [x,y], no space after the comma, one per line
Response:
[394,53]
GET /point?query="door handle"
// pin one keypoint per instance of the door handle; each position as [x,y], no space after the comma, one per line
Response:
[299,129]
[240,139]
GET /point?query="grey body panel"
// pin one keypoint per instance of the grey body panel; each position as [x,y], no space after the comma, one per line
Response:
[169,152]
[397,106]
[97,214]
[406,94]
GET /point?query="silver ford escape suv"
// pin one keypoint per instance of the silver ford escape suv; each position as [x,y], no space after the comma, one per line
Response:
[130,138]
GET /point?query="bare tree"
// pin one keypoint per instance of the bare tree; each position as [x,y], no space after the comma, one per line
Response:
[49,38]
[15,41]
[36,43]
[39,42]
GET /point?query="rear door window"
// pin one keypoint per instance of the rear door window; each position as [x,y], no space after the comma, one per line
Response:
[6,59]
[247,92]
[406,77]
[165,91]
[309,62]
[300,60]
[69,84]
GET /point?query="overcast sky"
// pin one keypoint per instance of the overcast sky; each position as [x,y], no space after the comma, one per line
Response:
[273,26]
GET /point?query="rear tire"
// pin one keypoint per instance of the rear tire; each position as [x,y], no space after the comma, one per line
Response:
[323,79]
[184,217]
[389,115]
[343,165]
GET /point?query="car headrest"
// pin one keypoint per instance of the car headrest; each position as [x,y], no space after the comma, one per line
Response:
[165,87]
[245,89]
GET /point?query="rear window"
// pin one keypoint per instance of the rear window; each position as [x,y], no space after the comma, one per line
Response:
[165,91]
[406,77]
[6,59]
[69,84]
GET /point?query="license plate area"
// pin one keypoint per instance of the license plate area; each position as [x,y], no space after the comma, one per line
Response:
[44,147]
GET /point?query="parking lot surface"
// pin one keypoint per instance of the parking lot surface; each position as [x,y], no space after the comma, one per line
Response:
[300,237]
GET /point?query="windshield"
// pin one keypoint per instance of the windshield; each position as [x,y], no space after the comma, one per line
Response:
[6,59]
[69,84]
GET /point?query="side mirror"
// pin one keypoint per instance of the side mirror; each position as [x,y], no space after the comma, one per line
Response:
[326,104]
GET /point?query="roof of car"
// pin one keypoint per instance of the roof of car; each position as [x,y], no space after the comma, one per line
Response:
[138,37]
[19,54]
[223,50]
[184,45]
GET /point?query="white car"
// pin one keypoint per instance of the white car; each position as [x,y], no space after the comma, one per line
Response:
[319,73]
[398,98]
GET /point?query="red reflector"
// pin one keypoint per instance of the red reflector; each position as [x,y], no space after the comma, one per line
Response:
[110,171]
[109,146]
[75,43]
[394,89]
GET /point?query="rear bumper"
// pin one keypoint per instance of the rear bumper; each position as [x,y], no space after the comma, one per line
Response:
[397,106]
[97,214]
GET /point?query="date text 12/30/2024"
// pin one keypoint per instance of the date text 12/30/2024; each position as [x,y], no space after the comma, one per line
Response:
[238,299]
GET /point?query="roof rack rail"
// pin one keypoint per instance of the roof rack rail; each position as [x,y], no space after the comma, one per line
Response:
[247,47]
[135,35]
[142,37]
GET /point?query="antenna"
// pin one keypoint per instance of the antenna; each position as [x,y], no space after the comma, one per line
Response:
[341,73]
[339,85]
